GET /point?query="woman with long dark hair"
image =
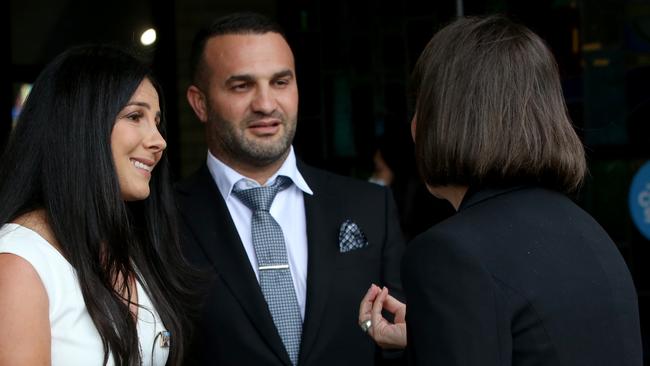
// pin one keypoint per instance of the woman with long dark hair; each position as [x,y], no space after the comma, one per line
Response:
[90,267]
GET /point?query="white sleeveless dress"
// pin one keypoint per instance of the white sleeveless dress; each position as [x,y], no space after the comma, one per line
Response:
[75,340]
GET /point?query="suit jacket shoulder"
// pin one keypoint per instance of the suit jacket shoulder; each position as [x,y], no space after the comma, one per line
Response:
[525,267]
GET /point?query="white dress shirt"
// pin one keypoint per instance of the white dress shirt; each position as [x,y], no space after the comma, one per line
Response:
[288,209]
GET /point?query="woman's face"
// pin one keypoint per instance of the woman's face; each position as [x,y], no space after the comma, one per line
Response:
[136,143]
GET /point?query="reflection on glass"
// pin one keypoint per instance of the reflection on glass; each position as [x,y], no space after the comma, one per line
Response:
[21,96]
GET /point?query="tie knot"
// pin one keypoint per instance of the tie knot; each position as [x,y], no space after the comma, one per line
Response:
[261,198]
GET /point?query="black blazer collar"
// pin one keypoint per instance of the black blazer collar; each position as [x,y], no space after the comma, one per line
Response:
[475,195]
[322,238]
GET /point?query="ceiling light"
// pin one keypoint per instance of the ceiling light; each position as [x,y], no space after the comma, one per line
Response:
[148,37]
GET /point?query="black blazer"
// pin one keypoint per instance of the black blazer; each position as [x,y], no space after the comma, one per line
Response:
[236,328]
[519,277]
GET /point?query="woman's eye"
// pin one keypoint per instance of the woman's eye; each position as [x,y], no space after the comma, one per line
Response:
[134,117]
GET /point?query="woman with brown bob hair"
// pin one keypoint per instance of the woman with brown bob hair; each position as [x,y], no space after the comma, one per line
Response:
[520,275]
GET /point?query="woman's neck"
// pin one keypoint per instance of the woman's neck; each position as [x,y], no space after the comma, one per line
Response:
[37,221]
[453,194]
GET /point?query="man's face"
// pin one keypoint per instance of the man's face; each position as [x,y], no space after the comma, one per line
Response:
[251,98]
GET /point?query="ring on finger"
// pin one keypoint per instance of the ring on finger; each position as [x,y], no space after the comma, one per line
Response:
[365,325]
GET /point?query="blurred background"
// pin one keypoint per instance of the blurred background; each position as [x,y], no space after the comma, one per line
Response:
[353,60]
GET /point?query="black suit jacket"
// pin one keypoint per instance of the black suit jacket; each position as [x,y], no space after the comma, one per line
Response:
[236,328]
[519,277]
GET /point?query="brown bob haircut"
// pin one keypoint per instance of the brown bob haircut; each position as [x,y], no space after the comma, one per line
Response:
[490,110]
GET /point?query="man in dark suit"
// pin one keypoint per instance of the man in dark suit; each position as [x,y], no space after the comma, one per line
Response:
[337,235]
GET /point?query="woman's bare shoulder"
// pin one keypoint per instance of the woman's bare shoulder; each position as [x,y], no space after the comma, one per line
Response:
[24,312]
[37,221]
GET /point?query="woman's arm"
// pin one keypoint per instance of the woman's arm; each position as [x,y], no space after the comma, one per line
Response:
[24,315]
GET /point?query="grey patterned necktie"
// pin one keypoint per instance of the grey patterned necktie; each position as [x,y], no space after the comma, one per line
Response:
[275,277]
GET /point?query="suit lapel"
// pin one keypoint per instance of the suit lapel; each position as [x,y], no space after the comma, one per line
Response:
[219,240]
[322,238]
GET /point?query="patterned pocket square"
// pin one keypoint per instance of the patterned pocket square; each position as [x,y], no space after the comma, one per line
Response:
[351,237]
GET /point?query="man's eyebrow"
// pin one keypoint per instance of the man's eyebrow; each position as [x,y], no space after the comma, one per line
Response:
[242,77]
[283,73]
[250,78]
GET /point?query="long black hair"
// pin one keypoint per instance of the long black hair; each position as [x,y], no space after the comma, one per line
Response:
[59,159]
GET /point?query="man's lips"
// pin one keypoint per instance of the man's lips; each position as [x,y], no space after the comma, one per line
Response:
[265,122]
[265,127]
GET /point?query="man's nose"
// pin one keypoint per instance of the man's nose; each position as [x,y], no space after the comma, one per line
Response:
[264,101]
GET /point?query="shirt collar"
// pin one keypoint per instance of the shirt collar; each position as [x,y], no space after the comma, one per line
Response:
[226,177]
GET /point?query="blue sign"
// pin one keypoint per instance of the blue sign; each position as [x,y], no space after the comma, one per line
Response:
[639,200]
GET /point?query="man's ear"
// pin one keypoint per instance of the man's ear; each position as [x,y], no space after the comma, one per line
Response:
[198,102]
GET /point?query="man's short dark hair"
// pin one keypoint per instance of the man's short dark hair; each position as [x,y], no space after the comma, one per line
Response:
[490,109]
[236,23]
